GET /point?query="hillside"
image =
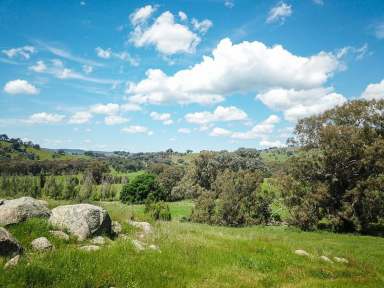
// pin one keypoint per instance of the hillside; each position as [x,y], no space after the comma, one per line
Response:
[197,255]
[15,149]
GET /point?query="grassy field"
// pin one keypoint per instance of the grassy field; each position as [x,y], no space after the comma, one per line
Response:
[197,255]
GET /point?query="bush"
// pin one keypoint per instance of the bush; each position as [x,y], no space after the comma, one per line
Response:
[158,210]
[53,188]
[71,187]
[87,189]
[140,188]
[236,200]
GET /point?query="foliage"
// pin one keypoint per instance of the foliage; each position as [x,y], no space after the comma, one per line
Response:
[87,188]
[48,167]
[339,180]
[236,200]
[169,178]
[96,170]
[140,188]
[158,210]
[53,188]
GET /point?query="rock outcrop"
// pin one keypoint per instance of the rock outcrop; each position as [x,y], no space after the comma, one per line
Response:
[12,262]
[41,244]
[21,209]
[8,245]
[81,220]
[302,253]
[116,228]
[144,226]
[98,240]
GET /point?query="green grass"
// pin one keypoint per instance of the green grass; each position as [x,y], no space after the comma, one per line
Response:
[42,154]
[197,255]
[130,175]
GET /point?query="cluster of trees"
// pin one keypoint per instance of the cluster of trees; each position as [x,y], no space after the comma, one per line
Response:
[82,187]
[337,181]
[331,177]
[49,167]
[94,183]
[225,184]
[17,146]
[145,188]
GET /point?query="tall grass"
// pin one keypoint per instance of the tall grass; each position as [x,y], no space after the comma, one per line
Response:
[198,255]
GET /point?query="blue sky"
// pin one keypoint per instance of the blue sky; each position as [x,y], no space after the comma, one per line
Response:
[147,76]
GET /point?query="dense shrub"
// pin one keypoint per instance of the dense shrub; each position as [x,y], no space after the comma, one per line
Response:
[158,210]
[53,188]
[87,189]
[140,188]
[71,188]
[236,200]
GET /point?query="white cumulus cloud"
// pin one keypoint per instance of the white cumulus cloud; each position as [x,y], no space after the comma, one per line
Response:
[134,129]
[217,131]
[163,117]
[44,118]
[108,109]
[115,120]
[142,14]
[19,86]
[374,91]
[260,130]
[183,16]
[130,107]
[243,67]
[167,36]
[297,104]
[220,114]
[80,117]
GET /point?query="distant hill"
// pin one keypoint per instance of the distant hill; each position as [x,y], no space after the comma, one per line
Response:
[16,149]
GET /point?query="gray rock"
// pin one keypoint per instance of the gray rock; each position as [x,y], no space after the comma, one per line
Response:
[82,220]
[301,253]
[13,262]
[41,244]
[123,236]
[116,228]
[89,248]
[98,240]
[340,260]
[139,246]
[326,259]
[144,226]
[8,245]
[21,209]
[60,234]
